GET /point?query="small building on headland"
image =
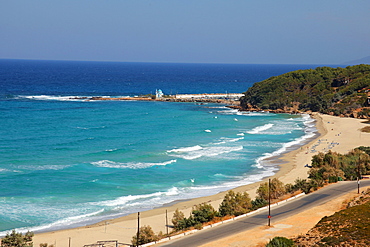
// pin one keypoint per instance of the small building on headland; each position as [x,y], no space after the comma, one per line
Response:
[158,93]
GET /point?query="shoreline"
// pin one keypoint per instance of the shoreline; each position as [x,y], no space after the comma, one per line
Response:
[290,163]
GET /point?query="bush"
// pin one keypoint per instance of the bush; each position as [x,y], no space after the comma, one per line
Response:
[277,189]
[258,203]
[332,166]
[235,204]
[280,242]
[146,235]
[177,220]
[15,239]
[289,188]
[304,185]
[46,245]
[203,213]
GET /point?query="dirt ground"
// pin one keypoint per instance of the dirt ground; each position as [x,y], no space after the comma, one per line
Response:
[291,227]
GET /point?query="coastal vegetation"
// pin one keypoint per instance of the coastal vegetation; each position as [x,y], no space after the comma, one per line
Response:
[146,235]
[281,242]
[333,166]
[235,204]
[334,91]
[16,239]
[325,168]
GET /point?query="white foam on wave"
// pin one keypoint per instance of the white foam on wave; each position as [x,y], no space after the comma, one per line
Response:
[206,152]
[282,150]
[63,223]
[240,181]
[228,111]
[220,175]
[185,149]
[252,114]
[310,132]
[52,97]
[129,165]
[282,128]
[42,167]
[308,121]
[4,170]
[229,140]
[132,200]
[260,129]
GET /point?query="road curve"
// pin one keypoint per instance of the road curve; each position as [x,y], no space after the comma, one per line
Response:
[260,219]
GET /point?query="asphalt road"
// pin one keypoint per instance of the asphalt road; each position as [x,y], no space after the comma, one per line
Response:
[260,219]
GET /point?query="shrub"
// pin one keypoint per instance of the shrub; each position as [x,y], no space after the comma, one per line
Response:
[15,239]
[177,220]
[277,189]
[289,188]
[303,185]
[146,235]
[203,213]
[235,204]
[258,203]
[280,242]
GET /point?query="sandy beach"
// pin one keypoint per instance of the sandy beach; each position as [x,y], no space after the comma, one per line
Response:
[336,134]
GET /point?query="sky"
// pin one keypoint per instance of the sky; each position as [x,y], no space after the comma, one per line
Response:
[186,31]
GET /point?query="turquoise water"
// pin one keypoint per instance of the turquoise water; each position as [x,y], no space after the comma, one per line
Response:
[66,163]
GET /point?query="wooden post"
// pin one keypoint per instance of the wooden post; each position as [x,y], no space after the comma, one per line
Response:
[358,185]
[269,216]
[166,222]
[69,242]
[138,229]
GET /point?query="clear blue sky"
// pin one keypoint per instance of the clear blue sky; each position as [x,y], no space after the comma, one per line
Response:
[191,31]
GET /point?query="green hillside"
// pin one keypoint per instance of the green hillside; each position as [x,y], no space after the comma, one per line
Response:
[335,91]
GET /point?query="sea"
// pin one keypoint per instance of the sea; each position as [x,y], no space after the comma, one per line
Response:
[67,162]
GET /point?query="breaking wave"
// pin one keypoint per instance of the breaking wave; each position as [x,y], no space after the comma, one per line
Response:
[260,129]
[129,165]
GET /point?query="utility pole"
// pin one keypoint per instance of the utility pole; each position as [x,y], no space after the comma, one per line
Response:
[138,229]
[269,216]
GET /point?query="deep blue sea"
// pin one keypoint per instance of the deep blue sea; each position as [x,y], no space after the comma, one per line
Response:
[66,162]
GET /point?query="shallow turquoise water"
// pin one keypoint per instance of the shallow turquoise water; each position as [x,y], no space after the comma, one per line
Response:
[66,163]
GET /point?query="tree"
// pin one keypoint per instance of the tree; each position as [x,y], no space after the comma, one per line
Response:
[258,203]
[303,185]
[235,204]
[276,190]
[323,89]
[203,213]
[177,219]
[15,239]
[146,235]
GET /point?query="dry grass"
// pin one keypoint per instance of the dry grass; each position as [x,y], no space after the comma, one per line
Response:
[366,129]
